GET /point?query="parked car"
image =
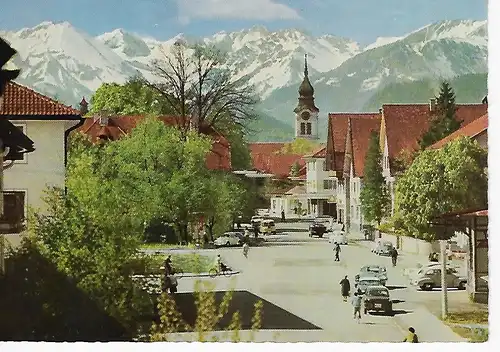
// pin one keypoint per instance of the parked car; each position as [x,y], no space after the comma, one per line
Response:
[256,220]
[378,271]
[431,278]
[367,281]
[229,239]
[384,248]
[268,227]
[337,236]
[377,299]
[317,228]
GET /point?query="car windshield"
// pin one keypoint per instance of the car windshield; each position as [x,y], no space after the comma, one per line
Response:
[369,282]
[378,292]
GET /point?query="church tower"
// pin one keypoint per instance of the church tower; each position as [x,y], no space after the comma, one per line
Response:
[306,113]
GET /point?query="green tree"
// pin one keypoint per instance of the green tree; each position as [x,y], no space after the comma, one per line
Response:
[294,169]
[299,146]
[439,181]
[225,202]
[90,242]
[444,121]
[375,200]
[159,173]
[131,98]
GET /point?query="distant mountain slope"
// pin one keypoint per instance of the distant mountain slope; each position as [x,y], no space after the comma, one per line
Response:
[468,89]
[64,62]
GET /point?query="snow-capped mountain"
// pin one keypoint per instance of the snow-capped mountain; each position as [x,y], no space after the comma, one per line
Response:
[60,60]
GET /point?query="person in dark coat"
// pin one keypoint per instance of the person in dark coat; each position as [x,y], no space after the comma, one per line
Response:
[169,271]
[345,288]
[337,252]
[282,215]
[394,256]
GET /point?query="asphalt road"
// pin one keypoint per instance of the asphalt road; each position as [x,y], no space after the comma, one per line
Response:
[298,274]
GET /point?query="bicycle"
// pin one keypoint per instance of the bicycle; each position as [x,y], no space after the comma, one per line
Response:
[224,272]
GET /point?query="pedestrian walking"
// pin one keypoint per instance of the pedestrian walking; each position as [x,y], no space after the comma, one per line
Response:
[282,215]
[394,256]
[356,303]
[411,337]
[345,288]
[337,252]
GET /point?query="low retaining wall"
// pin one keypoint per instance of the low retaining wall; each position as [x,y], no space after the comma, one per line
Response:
[412,245]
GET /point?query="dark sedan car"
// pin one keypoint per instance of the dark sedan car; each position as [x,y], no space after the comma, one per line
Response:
[384,248]
[317,229]
[377,299]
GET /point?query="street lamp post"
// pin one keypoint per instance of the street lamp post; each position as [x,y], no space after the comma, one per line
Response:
[442,243]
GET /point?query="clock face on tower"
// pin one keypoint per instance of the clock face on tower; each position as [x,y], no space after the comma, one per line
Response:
[305,115]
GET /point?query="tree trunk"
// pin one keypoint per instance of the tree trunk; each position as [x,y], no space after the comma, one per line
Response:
[210,227]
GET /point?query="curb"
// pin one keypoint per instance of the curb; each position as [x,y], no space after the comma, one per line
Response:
[180,276]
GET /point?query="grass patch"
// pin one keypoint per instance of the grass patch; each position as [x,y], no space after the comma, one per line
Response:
[186,262]
[166,246]
[472,317]
[473,335]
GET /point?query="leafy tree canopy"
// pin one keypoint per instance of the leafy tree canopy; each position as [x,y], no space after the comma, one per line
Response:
[299,146]
[131,98]
[440,181]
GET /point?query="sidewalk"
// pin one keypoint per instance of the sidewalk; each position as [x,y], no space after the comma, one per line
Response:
[427,326]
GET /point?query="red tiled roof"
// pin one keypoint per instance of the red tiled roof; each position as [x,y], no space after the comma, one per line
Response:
[336,140]
[319,153]
[471,130]
[266,157]
[119,126]
[406,123]
[19,100]
[276,164]
[265,148]
[361,128]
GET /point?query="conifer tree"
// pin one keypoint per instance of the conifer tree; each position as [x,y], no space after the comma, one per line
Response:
[375,200]
[444,121]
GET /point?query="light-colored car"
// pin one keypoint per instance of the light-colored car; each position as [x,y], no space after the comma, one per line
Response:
[229,239]
[384,248]
[337,236]
[268,227]
[367,281]
[378,271]
[431,278]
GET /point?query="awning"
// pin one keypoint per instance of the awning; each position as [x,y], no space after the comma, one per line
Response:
[15,140]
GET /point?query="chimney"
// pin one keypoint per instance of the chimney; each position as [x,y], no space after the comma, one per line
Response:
[485,100]
[84,107]
[432,105]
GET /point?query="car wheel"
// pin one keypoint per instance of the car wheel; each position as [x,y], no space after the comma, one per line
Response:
[426,287]
[461,285]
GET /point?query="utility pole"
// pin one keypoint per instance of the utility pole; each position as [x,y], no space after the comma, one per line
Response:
[444,287]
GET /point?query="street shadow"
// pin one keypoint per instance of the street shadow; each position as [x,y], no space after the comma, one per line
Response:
[367,323]
[393,313]
[273,317]
[390,287]
[400,312]
[396,301]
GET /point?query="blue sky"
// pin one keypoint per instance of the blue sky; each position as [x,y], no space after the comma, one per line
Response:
[361,20]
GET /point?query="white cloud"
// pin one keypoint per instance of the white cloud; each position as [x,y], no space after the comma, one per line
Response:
[234,9]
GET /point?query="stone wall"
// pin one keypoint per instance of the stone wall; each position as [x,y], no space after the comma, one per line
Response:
[412,245]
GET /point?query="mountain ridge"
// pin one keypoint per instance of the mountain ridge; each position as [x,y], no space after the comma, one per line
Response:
[60,60]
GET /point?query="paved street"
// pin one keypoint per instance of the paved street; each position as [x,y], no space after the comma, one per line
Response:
[298,274]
